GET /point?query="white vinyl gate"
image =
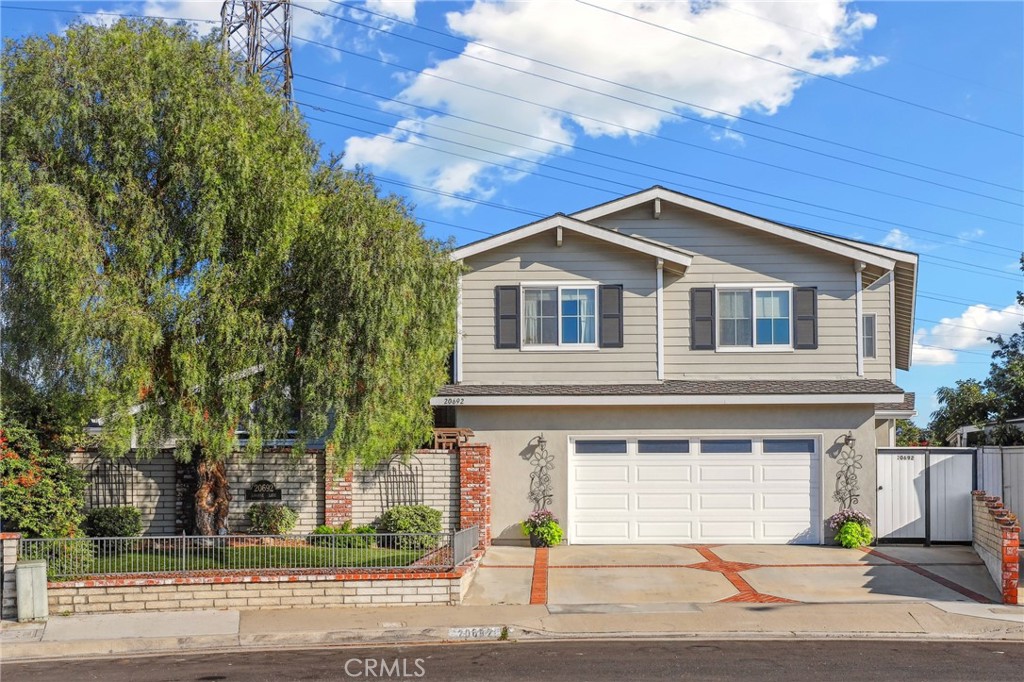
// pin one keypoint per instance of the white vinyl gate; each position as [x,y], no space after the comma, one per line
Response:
[924,494]
[1001,473]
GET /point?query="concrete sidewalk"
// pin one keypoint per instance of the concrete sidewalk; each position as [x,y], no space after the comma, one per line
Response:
[167,632]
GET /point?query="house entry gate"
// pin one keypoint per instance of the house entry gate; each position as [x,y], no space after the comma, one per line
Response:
[924,494]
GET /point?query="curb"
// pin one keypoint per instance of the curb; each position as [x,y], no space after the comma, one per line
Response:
[29,652]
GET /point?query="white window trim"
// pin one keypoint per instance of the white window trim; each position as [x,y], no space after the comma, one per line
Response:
[874,326]
[756,347]
[558,286]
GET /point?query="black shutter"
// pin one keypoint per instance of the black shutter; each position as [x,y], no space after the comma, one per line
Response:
[805,318]
[702,319]
[610,306]
[506,317]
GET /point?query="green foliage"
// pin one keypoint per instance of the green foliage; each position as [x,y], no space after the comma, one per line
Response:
[170,240]
[343,536]
[415,518]
[854,534]
[271,519]
[113,522]
[542,526]
[41,492]
[964,404]
[909,433]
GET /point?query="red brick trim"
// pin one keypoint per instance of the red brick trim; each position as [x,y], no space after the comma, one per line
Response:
[1008,534]
[539,586]
[731,570]
[337,498]
[475,489]
[10,536]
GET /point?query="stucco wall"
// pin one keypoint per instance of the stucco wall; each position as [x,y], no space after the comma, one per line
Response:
[509,430]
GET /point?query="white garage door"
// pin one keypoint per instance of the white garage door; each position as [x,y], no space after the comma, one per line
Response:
[682,490]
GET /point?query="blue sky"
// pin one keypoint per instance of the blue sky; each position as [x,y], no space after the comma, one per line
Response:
[546,136]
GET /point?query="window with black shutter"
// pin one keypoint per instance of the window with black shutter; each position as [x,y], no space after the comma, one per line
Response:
[506,317]
[611,316]
[702,319]
[805,318]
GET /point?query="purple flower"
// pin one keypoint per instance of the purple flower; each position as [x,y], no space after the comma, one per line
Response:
[836,521]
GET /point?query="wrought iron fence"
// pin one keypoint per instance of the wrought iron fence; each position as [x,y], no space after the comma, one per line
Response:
[70,558]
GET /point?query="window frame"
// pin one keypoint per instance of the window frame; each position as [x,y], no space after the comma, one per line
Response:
[864,336]
[558,287]
[754,346]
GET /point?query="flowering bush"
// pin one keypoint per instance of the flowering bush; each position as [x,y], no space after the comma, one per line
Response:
[853,528]
[542,527]
[836,521]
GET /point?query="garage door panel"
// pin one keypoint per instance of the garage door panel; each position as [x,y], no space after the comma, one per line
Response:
[725,473]
[602,531]
[662,473]
[681,502]
[664,531]
[727,531]
[730,501]
[602,502]
[748,497]
[603,473]
[782,472]
[787,532]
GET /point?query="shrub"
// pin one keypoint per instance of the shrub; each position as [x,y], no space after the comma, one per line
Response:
[343,536]
[542,528]
[836,521]
[41,492]
[272,519]
[113,522]
[854,534]
[415,518]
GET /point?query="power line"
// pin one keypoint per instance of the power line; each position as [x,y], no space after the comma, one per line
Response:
[662,96]
[797,69]
[728,184]
[964,267]
[577,147]
[107,14]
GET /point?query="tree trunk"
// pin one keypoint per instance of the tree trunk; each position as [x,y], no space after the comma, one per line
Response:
[212,498]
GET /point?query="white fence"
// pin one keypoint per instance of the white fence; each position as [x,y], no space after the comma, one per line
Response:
[1001,472]
[924,494]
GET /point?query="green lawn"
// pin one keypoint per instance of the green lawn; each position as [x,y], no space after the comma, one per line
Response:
[250,557]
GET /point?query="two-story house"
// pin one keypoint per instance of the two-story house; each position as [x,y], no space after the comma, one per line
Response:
[661,369]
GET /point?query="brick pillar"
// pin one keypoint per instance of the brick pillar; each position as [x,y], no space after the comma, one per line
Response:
[8,589]
[997,532]
[337,497]
[475,489]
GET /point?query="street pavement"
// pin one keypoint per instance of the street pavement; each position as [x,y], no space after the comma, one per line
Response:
[598,661]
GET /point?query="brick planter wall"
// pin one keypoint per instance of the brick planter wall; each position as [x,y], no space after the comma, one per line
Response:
[259,592]
[997,542]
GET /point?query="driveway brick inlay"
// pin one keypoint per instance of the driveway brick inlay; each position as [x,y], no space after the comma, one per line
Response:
[539,588]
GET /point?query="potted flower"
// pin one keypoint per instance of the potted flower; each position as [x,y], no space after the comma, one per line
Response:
[853,528]
[543,529]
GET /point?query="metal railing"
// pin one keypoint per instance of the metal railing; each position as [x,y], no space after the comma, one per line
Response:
[72,558]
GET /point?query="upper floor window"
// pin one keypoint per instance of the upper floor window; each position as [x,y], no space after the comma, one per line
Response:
[560,316]
[869,342]
[754,318]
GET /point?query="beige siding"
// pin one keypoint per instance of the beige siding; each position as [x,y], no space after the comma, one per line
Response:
[876,300]
[731,254]
[579,259]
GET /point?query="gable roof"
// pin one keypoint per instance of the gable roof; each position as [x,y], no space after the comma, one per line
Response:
[666,252]
[879,259]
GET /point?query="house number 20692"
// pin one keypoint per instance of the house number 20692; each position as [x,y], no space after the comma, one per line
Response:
[904,456]
[454,401]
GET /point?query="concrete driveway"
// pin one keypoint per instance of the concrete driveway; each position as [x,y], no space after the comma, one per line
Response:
[576,576]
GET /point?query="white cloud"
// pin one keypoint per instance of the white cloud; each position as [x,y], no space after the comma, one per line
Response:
[898,239]
[400,9]
[967,235]
[969,331]
[587,40]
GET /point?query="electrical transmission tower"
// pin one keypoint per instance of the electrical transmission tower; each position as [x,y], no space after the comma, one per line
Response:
[260,31]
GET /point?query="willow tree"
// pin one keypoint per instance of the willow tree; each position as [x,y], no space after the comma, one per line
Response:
[177,260]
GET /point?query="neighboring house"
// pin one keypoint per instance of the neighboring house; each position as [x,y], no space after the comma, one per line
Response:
[971,435]
[660,369]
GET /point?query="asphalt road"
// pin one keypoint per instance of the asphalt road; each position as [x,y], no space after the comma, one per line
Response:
[622,660]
